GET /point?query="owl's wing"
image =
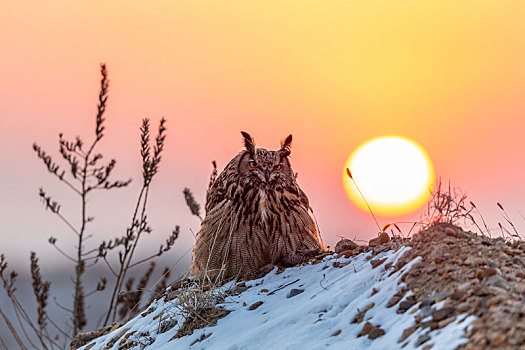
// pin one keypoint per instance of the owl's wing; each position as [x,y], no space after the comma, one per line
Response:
[217,192]
[303,198]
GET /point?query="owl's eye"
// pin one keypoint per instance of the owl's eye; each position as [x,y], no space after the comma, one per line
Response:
[277,167]
[253,164]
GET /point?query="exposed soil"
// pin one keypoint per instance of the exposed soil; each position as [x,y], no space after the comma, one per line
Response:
[474,275]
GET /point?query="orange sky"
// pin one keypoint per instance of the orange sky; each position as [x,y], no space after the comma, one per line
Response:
[448,74]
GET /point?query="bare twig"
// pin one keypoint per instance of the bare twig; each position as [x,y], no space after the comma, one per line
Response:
[12,330]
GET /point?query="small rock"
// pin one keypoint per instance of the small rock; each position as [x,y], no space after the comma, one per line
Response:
[417,237]
[346,253]
[172,295]
[446,322]
[496,338]
[479,261]
[358,318]
[407,333]
[255,305]
[265,269]
[463,307]
[481,291]
[425,311]
[394,300]
[336,264]
[376,262]
[376,332]
[426,324]
[498,281]
[374,291]
[238,289]
[496,300]
[450,232]
[468,261]
[405,305]
[380,248]
[369,306]
[422,339]
[310,253]
[489,271]
[459,294]
[336,333]
[436,298]
[366,329]
[461,234]
[518,261]
[345,244]
[493,263]
[496,290]
[294,291]
[449,241]
[441,314]
[381,239]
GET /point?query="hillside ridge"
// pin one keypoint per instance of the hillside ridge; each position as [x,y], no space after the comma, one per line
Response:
[444,288]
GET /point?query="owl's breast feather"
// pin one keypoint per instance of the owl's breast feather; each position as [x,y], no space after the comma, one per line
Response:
[263,201]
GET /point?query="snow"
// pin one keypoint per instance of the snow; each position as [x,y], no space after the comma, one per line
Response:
[332,297]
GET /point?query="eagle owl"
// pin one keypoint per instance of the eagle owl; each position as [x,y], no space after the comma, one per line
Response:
[256,214]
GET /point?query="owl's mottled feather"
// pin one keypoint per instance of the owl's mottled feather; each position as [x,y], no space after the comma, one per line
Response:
[256,215]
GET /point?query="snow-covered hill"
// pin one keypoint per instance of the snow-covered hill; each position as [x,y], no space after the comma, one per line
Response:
[335,303]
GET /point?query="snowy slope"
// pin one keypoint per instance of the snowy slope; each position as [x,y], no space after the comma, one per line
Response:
[318,318]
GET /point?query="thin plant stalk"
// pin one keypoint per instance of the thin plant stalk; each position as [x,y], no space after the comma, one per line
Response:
[349,173]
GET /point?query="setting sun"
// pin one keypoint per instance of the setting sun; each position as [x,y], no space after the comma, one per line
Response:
[393,173]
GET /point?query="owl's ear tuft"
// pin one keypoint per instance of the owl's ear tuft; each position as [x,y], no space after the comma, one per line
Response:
[249,143]
[286,146]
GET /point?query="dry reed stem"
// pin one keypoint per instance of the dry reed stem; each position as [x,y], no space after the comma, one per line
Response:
[12,330]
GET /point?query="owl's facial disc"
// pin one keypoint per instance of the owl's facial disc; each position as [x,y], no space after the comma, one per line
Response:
[266,165]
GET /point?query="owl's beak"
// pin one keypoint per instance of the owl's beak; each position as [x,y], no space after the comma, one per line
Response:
[267,174]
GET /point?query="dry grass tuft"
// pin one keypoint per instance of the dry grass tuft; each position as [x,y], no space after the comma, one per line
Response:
[446,205]
[198,302]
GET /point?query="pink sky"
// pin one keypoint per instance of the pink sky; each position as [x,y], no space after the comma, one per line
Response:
[447,74]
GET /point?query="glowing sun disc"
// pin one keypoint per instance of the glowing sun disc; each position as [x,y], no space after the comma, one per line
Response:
[394,174]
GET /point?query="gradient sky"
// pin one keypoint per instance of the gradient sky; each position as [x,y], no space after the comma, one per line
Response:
[448,74]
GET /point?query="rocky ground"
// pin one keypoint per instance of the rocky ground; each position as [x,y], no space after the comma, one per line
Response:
[472,274]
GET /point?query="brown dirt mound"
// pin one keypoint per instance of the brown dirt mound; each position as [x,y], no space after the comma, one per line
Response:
[475,275]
